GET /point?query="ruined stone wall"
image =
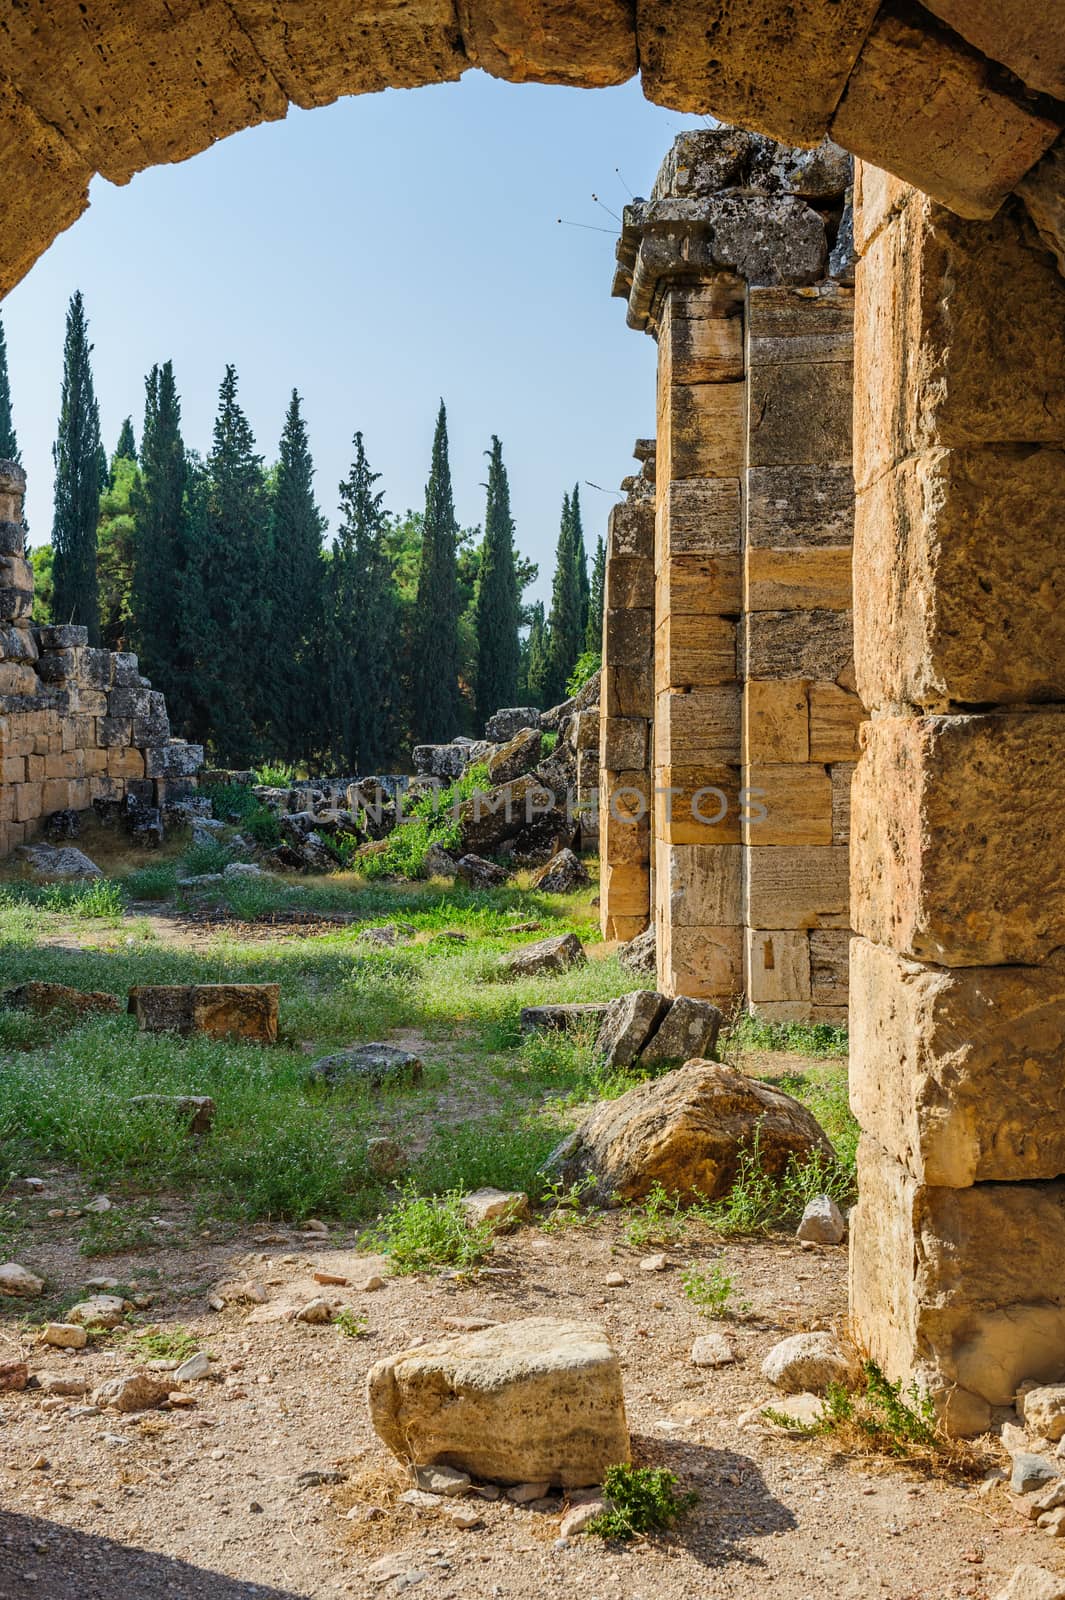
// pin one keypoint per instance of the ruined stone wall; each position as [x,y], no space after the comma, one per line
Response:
[627,706]
[76,724]
[958,841]
[755,710]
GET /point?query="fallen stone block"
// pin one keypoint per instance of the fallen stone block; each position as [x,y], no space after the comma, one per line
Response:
[639,954]
[822,1222]
[687,1131]
[133,1391]
[688,1031]
[504,1209]
[40,998]
[374,1064]
[19,1284]
[477,873]
[245,1011]
[564,873]
[515,758]
[100,1311]
[1033,1583]
[503,725]
[58,863]
[562,1018]
[546,955]
[806,1363]
[532,1400]
[629,1022]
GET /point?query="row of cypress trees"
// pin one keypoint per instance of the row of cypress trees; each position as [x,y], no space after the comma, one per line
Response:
[268,641]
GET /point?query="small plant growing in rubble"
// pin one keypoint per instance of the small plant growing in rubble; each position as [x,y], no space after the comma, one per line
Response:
[352,1324]
[711,1291]
[640,1500]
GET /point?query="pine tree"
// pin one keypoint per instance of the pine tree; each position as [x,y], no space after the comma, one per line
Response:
[534,682]
[565,636]
[298,527]
[115,539]
[9,450]
[363,686]
[80,474]
[435,695]
[497,607]
[126,449]
[239,568]
[160,556]
[580,558]
[593,633]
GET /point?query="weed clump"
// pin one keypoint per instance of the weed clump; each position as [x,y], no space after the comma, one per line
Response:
[434,819]
[426,1231]
[640,1500]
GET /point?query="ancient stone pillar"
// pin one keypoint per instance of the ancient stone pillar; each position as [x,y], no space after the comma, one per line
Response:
[627,701]
[726,266]
[958,838]
[800,712]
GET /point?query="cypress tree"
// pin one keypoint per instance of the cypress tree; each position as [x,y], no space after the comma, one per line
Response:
[239,573]
[80,474]
[9,450]
[593,633]
[160,556]
[364,689]
[298,527]
[535,659]
[565,636]
[115,536]
[126,449]
[580,558]
[435,695]
[497,607]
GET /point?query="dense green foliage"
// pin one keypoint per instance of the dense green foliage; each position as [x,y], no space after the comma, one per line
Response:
[80,475]
[298,527]
[435,701]
[498,603]
[9,450]
[593,633]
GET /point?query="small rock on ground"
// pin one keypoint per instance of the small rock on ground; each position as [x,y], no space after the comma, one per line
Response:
[822,1222]
[1031,1472]
[19,1283]
[64,1335]
[712,1350]
[806,1362]
[133,1391]
[1033,1583]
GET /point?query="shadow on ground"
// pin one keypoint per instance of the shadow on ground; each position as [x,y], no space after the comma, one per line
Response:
[735,1503]
[44,1558]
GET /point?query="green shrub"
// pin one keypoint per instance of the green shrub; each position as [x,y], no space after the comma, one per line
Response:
[156,882]
[207,856]
[425,1231]
[96,897]
[276,775]
[432,819]
[799,1038]
[878,1416]
[711,1291]
[236,802]
[641,1500]
[585,667]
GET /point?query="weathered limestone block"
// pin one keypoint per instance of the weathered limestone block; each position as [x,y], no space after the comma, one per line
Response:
[517,757]
[536,1400]
[223,1010]
[41,998]
[704,884]
[627,1024]
[1030,42]
[589,44]
[926,106]
[959,337]
[778,966]
[960,1070]
[956,841]
[799,506]
[797,644]
[836,718]
[799,580]
[687,1032]
[699,727]
[686,1131]
[706,963]
[695,652]
[930,1297]
[842,778]
[701,429]
[698,517]
[788,804]
[952,604]
[174,760]
[627,636]
[763,64]
[829,966]
[628,691]
[776,720]
[703,345]
[629,583]
[697,805]
[701,586]
[623,743]
[797,886]
[800,412]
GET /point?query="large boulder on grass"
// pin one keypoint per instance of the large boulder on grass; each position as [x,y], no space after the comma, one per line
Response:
[546,955]
[58,863]
[629,1022]
[687,1131]
[477,873]
[246,1011]
[532,1401]
[564,873]
[373,1064]
[639,955]
[517,757]
[687,1032]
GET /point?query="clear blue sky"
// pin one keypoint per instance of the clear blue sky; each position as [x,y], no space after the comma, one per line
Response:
[375,254]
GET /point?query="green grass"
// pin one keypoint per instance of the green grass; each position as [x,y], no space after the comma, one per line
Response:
[209,855]
[431,820]
[801,1038]
[155,882]
[97,898]
[425,1231]
[239,804]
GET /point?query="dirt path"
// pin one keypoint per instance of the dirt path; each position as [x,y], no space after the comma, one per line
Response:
[207,1501]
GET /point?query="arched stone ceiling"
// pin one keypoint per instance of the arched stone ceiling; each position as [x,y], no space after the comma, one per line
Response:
[962,97]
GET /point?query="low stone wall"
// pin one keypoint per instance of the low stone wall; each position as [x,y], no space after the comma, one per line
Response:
[76,724]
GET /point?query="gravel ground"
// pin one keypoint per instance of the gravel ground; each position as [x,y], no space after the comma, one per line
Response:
[205,1501]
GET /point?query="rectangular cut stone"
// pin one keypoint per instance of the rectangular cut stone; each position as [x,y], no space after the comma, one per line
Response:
[625,889]
[799,324]
[701,728]
[962,1288]
[631,528]
[959,337]
[878,198]
[800,412]
[1030,40]
[629,583]
[798,644]
[628,691]
[701,586]
[836,716]
[798,580]
[775,720]
[628,637]
[697,805]
[587,44]
[787,804]
[698,517]
[701,428]
[778,965]
[704,885]
[623,742]
[764,64]
[932,109]
[695,652]
[623,841]
[842,778]
[799,505]
[705,963]
[953,604]
[797,886]
[829,966]
[960,1071]
[699,348]
[956,840]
